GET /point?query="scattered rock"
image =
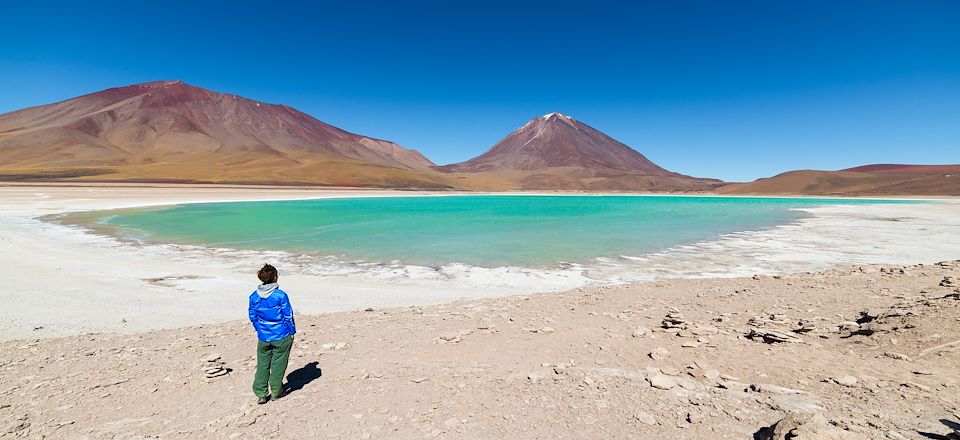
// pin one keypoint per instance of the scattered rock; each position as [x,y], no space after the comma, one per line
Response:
[662,381]
[771,336]
[644,417]
[846,380]
[771,319]
[674,320]
[773,389]
[800,426]
[897,356]
[659,353]
[450,337]
[640,332]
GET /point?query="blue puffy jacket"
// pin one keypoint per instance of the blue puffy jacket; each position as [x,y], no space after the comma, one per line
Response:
[271,314]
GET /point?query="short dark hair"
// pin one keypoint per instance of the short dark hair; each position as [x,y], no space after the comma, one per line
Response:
[267,274]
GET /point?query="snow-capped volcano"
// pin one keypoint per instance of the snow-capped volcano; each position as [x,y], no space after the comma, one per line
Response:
[556,150]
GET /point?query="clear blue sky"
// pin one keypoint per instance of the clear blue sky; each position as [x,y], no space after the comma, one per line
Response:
[729,89]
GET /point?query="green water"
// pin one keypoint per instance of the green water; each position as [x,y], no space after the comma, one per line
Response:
[486,231]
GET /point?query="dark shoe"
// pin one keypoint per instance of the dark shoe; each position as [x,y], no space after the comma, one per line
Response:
[278,396]
[262,400]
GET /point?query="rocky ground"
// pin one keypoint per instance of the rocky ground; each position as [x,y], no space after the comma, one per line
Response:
[864,352]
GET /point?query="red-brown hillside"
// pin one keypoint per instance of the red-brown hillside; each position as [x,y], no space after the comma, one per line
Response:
[172,131]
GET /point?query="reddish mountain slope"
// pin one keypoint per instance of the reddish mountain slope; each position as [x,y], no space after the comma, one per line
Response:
[555,151]
[907,169]
[172,131]
[867,180]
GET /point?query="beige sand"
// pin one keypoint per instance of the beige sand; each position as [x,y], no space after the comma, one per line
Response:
[593,363]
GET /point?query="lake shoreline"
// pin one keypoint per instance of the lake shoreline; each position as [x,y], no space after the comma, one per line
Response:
[70,276]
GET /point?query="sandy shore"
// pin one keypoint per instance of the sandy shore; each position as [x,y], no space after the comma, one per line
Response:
[866,352]
[71,282]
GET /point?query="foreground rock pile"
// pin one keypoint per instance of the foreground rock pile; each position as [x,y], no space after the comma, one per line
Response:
[868,352]
[213,367]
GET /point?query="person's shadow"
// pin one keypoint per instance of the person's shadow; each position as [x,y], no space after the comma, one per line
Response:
[300,377]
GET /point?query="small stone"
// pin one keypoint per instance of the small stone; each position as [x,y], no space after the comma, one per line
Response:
[640,332]
[771,336]
[659,353]
[661,381]
[847,381]
[216,374]
[644,417]
[419,379]
[546,330]
[450,337]
[918,386]
[212,357]
[897,356]
[340,346]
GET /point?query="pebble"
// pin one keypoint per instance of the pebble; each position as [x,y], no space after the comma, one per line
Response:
[897,356]
[661,381]
[645,417]
[640,332]
[847,380]
[659,353]
[450,337]
[771,336]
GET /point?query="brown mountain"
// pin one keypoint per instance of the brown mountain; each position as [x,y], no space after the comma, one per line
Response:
[172,131]
[555,151]
[867,180]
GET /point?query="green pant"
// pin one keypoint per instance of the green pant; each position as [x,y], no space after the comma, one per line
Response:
[272,360]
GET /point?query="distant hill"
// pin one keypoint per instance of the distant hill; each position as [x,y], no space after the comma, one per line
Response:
[171,131]
[866,180]
[555,151]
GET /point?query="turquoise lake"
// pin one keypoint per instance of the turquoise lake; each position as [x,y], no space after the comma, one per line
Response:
[489,231]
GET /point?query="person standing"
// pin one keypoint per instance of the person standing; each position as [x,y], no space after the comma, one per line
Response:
[272,318]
